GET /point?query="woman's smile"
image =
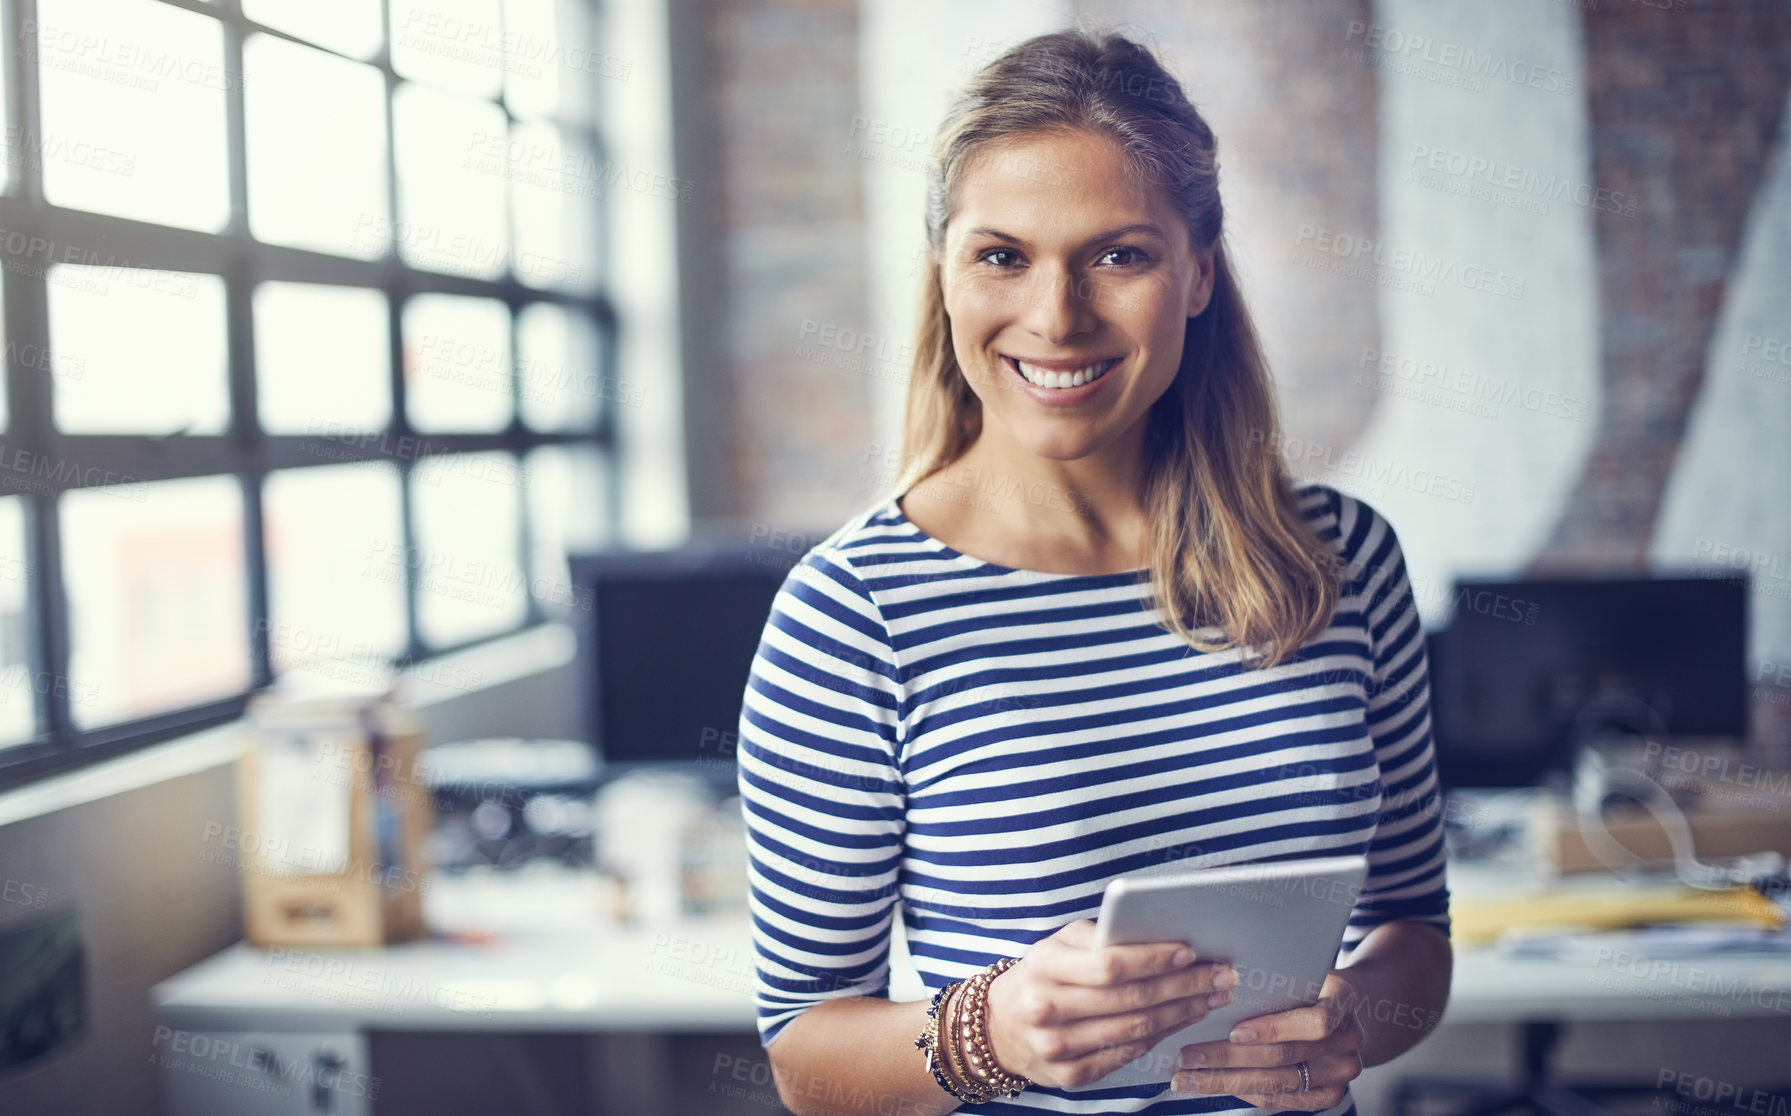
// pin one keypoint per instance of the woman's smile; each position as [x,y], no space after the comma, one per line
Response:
[1060,383]
[1079,286]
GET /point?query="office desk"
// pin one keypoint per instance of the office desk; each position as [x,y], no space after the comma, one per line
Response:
[556,968]
[1595,978]
[1607,977]
[235,1027]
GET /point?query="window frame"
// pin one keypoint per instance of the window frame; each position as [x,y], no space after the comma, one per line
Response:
[244,451]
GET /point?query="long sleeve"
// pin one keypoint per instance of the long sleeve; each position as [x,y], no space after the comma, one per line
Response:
[1406,876]
[822,793]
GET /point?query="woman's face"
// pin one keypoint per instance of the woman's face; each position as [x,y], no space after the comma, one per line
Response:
[1060,266]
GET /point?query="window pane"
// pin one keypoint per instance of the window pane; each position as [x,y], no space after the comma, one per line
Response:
[322,358]
[34,360]
[19,683]
[552,65]
[456,44]
[457,363]
[554,199]
[144,83]
[330,533]
[560,377]
[349,26]
[158,615]
[450,208]
[316,149]
[568,510]
[150,347]
[469,576]
[19,150]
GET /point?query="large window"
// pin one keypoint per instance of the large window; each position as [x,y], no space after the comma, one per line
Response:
[308,358]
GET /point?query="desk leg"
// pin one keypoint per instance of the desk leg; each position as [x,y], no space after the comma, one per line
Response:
[631,1075]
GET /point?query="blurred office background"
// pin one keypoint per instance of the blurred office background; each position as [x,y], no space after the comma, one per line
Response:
[339,336]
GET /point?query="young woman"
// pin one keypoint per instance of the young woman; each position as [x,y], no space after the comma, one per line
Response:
[1097,631]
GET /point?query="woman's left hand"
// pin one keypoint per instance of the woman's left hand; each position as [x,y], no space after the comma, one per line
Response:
[1261,1061]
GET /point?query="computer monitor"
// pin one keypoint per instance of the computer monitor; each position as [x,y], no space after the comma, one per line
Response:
[666,647]
[1527,671]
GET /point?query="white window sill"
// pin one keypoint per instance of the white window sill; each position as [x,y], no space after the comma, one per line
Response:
[493,664]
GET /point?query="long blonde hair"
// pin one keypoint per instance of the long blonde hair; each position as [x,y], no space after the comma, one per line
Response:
[1230,548]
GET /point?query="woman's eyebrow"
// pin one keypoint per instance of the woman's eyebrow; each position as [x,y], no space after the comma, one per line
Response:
[1136,229]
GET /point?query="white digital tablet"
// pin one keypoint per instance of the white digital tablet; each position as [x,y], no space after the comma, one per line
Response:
[1279,923]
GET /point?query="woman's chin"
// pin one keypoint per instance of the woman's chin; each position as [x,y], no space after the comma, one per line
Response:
[1061,445]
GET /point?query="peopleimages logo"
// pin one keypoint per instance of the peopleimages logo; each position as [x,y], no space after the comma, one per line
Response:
[1724,1096]
[1398,50]
[1312,458]
[1522,180]
[1457,388]
[1769,574]
[1362,252]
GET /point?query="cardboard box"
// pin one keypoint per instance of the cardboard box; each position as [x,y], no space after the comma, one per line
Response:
[1560,843]
[334,814]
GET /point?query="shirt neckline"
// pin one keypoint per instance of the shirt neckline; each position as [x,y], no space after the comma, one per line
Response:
[894,507]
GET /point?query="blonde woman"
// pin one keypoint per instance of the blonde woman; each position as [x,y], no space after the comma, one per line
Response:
[1098,630]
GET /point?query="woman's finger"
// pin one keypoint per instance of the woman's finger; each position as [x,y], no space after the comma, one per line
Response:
[1089,1068]
[1226,1055]
[1301,1024]
[1089,1036]
[1067,963]
[1061,1004]
[1281,1084]
[1213,1055]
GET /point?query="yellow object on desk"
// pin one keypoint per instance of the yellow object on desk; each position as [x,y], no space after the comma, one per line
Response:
[1483,921]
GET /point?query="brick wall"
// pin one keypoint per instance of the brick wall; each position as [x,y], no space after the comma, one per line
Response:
[783,88]
[1685,107]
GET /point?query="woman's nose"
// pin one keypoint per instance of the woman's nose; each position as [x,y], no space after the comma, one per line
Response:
[1057,306]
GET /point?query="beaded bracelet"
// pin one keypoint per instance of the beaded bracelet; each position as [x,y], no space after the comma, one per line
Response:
[974,1017]
[955,1066]
[938,1058]
[956,1041]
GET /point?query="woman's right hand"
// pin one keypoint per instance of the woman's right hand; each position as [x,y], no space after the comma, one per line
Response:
[1069,1013]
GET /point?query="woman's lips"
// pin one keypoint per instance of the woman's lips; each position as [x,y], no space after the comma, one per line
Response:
[1060,396]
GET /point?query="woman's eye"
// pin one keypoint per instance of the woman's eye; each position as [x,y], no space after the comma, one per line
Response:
[1126,256]
[1001,257]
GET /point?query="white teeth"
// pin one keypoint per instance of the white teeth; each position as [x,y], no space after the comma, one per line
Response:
[1046,378]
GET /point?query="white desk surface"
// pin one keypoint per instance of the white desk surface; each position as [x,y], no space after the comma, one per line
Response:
[1607,976]
[556,966]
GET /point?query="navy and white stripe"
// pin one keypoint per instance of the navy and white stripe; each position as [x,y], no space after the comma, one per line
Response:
[992,746]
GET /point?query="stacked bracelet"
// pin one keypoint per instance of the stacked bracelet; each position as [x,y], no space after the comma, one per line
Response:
[957,1043]
[975,1022]
[929,1042]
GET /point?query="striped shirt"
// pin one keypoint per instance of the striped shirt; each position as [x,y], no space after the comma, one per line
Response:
[991,746]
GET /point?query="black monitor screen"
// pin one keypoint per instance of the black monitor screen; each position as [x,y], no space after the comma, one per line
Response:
[667,646]
[1544,665]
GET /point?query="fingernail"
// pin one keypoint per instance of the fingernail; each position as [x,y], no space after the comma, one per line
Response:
[1187,1083]
[1219,998]
[1243,1034]
[1193,1059]
[1183,957]
[1226,979]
